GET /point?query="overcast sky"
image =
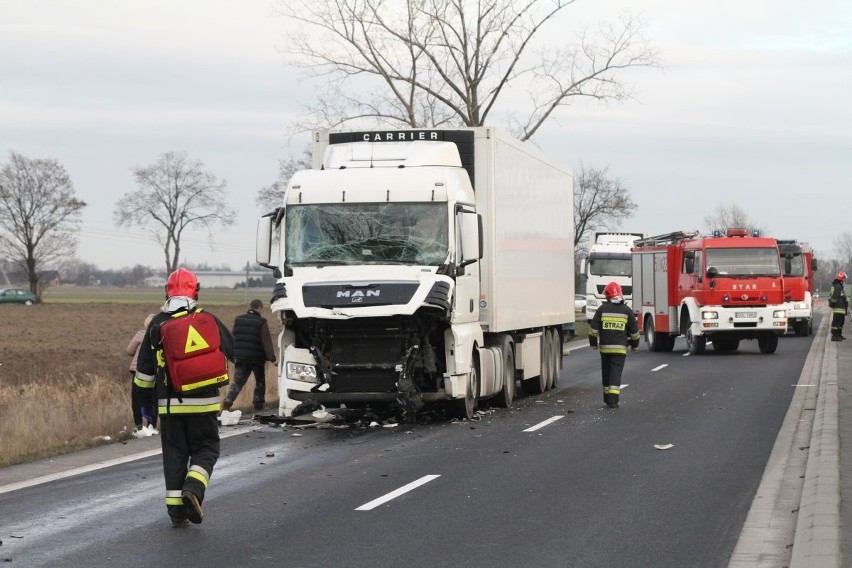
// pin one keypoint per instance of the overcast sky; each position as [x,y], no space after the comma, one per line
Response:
[751,108]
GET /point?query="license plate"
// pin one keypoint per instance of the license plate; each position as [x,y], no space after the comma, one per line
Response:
[746,314]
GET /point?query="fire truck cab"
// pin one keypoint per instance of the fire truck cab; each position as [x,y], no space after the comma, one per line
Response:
[717,289]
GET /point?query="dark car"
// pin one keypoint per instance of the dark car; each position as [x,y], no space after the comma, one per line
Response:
[16,296]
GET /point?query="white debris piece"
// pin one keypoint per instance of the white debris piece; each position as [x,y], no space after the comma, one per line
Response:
[145,432]
[322,415]
[663,446]
[230,418]
[391,425]
[373,424]
[270,454]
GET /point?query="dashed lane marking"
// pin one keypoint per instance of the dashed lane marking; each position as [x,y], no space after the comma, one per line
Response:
[396,493]
[543,424]
[663,366]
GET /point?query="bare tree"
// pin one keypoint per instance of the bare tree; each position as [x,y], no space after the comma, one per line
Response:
[843,249]
[272,195]
[39,215]
[725,217]
[456,62]
[172,195]
[600,202]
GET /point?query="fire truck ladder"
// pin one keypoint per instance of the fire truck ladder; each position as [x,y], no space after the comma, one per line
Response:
[665,239]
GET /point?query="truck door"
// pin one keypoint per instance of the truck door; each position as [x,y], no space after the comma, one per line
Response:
[468,228]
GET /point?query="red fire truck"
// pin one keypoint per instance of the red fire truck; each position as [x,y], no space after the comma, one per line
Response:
[798,265]
[716,288]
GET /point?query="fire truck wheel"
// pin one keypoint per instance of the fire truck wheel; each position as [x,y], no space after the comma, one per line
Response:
[768,343]
[670,342]
[695,343]
[656,341]
[802,328]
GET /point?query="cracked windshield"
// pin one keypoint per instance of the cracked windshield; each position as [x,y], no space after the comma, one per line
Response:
[367,233]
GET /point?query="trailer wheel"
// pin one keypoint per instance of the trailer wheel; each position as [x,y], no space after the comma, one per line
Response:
[696,344]
[507,394]
[466,407]
[556,355]
[768,343]
[546,358]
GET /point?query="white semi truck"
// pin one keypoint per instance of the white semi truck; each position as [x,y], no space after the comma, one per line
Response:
[609,260]
[417,266]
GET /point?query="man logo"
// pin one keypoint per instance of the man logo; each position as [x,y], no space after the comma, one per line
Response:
[359,294]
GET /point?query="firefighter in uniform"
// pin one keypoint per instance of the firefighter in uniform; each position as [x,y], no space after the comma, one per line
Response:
[612,328]
[839,304]
[189,428]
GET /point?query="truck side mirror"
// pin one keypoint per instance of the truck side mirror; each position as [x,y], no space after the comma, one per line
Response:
[471,238]
[813,264]
[712,272]
[263,242]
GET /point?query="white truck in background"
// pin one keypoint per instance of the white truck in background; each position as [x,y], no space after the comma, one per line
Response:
[418,266]
[609,260]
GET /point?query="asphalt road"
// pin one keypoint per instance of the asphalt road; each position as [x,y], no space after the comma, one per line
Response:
[559,480]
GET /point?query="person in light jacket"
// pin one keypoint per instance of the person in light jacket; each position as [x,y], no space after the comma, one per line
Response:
[133,351]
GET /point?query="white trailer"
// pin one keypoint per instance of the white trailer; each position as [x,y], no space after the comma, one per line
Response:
[419,266]
[609,260]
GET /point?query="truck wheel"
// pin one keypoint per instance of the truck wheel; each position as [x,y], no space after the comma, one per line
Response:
[656,341]
[546,359]
[695,343]
[507,394]
[802,328]
[556,355]
[670,342]
[466,407]
[768,343]
[810,326]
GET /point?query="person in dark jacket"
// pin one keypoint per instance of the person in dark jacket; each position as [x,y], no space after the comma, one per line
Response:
[611,330]
[252,349]
[181,372]
[839,304]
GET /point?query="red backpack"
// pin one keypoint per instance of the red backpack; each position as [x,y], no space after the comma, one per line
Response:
[190,344]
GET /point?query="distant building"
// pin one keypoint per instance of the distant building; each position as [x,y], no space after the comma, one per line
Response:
[154,282]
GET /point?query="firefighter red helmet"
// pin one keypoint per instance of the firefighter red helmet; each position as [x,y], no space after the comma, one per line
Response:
[182,282]
[841,276]
[612,290]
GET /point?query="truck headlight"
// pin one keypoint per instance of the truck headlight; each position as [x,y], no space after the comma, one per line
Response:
[779,314]
[709,315]
[800,306]
[302,372]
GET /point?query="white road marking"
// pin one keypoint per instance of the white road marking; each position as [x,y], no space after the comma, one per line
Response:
[663,366]
[543,424]
[396,493]
[622,387]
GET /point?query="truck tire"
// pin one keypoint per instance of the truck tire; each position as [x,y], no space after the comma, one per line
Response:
[556,355]
[768,343]
[546,359]
[466,407]
[670,343]
[656,341]
[695,344]
[802,328]
[504,398]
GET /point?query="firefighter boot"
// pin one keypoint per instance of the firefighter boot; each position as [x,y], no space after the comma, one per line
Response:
[192,504]
[612,393]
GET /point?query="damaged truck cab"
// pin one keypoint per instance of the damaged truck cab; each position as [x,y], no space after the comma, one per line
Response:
[417,266]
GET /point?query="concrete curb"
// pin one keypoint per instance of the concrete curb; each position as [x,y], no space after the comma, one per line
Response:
[817,541]
[769,529]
